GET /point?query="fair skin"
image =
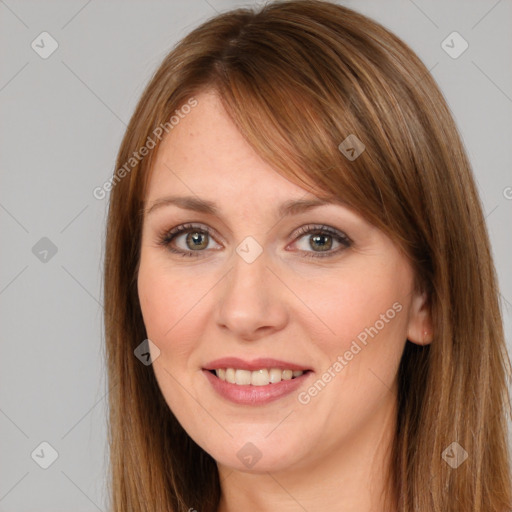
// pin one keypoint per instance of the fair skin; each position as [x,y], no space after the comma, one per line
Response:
[328,453]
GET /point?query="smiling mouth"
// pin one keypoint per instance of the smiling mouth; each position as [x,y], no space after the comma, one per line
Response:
[261,377]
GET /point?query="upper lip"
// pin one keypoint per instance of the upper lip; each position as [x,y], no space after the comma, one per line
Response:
[255,364]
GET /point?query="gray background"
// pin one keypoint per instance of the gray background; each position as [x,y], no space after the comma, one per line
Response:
[61,123]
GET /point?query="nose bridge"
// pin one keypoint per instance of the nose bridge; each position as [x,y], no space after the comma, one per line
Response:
[245,283]
[249,298]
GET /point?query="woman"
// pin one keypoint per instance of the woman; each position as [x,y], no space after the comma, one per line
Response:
[301,306]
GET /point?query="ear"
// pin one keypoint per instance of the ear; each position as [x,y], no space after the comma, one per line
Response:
[419,329]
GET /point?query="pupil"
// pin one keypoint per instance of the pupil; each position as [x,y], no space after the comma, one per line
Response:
[195,237]
[316,238]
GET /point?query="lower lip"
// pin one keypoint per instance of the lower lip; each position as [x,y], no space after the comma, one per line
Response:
[255,395]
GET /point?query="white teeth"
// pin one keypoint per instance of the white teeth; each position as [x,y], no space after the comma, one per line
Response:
[256,378]
[275,375]
[287,374]
[259,378]
[230,375]
[242,377]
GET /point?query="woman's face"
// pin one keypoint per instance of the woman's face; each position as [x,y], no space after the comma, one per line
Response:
[258,299]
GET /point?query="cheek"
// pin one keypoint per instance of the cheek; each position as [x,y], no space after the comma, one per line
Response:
[175,303]
[155,297]
[366,312]
[363,303]
[165,299]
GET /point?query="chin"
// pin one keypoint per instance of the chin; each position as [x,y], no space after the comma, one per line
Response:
[255,461]
[258,454]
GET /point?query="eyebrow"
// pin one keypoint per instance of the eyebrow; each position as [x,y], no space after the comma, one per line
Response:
[291,207]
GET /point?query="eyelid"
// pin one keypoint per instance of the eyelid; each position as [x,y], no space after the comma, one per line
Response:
[308,229]
[167,235]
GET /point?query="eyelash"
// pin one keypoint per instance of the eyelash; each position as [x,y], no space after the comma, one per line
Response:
[167,237]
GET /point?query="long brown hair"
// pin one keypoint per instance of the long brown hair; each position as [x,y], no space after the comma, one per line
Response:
[298,78]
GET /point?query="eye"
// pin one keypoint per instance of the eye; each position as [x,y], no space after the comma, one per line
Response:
[322,237]
[196,239]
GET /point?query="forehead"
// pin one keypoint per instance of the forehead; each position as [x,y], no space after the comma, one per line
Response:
[205,155]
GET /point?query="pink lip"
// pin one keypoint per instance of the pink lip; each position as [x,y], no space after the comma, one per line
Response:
[255,364]
[254,395]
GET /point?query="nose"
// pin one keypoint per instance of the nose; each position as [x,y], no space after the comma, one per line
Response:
[252,300]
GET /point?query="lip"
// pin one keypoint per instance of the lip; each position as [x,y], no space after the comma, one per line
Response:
[255,364]
[255,395]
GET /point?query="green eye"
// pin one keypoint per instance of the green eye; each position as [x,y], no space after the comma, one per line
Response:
[322,237]
[198,237]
